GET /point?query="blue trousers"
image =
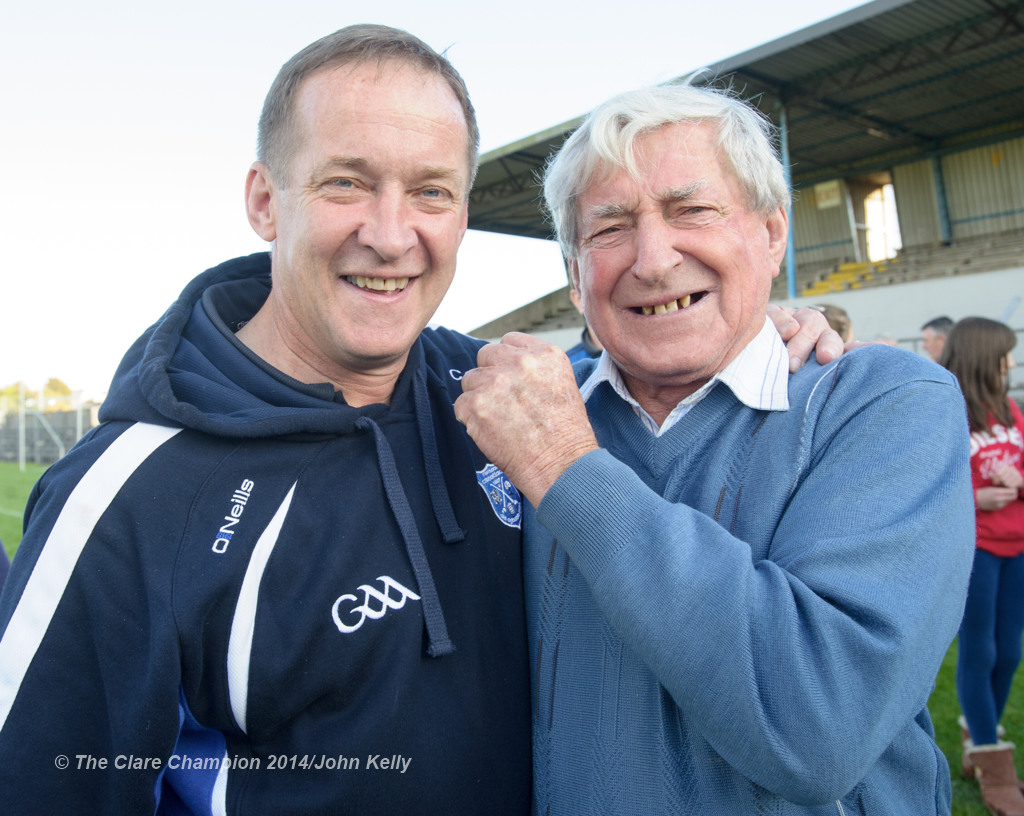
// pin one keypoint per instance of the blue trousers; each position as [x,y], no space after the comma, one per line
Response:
[990,641]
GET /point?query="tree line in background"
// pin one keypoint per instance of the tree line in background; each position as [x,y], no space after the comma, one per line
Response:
[56,396]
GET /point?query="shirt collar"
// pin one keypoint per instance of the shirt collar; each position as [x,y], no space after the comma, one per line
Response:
[758,377]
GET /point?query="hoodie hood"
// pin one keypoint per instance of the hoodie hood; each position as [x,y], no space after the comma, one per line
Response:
[189,370]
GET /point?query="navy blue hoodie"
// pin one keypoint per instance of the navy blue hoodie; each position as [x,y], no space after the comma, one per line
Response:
[241,595]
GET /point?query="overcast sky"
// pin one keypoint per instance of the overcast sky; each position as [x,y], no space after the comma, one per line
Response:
[128,128]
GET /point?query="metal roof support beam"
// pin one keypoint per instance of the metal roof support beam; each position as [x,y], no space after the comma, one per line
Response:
[790,239]
[945,225]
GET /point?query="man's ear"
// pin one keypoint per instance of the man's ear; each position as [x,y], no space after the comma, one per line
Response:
[777,224]
[259,202]
[574,296]
[573,266]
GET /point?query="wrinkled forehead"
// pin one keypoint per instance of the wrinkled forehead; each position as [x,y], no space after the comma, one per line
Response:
[638,156]
[368,84]
[401,85]
[670,163]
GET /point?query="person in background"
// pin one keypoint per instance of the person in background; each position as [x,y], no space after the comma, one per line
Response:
[740,582]
[279,575]
[979,352]
[933,336]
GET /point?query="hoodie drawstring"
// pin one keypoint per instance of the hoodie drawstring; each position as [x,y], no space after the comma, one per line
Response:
[439,498]
[437,631]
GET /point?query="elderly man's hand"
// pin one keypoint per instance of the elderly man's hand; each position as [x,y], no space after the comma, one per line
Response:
[522,408]
[803,331]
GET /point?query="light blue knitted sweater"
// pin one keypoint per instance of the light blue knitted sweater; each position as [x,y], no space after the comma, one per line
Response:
[746,615]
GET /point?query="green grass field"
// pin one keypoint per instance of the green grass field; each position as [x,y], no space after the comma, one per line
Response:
[15,487]
[14,490]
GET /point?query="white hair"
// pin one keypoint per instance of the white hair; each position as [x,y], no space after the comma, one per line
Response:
[606,142]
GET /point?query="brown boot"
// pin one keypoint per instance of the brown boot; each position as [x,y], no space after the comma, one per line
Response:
[997,776]
[966,767]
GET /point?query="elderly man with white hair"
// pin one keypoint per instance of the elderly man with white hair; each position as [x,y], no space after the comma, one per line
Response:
[740,581]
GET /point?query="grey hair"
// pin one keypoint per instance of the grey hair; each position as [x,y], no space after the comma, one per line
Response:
[277,136]
[606,142]
[940,325]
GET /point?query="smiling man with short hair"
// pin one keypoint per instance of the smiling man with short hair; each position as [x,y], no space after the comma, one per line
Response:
[278,574]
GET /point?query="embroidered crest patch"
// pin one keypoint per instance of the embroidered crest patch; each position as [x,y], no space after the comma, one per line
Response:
[504,497]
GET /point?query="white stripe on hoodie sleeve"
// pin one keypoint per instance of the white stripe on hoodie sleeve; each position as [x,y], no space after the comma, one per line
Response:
[87,503]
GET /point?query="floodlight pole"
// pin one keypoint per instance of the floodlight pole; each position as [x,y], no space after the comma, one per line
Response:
[790,242]
[21,426]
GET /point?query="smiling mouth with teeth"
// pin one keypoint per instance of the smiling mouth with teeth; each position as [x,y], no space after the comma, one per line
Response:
[378,284]
[671,306]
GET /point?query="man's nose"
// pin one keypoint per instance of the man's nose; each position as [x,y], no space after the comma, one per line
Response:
[657,252]
[387,228]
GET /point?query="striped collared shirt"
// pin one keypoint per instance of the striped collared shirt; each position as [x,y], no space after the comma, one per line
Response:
[759,377]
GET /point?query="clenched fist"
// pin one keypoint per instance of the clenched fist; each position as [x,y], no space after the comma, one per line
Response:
[522,408]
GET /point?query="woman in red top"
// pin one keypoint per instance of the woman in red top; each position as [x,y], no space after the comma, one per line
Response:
[977,351]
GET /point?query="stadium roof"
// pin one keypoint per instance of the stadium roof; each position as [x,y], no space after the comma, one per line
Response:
[885,83]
